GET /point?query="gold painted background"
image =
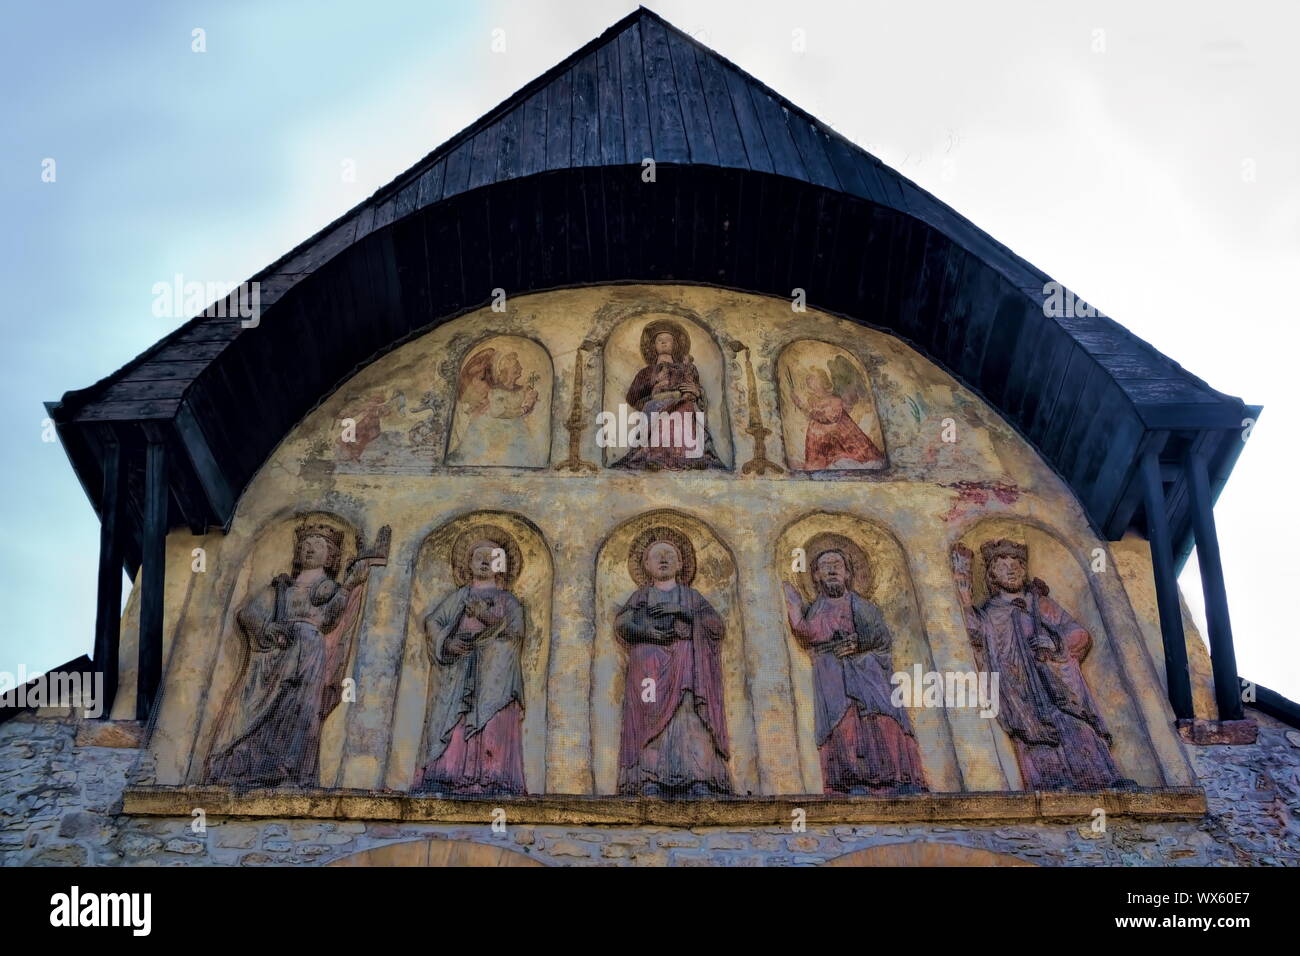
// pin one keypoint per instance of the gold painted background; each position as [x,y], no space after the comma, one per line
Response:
[935,493]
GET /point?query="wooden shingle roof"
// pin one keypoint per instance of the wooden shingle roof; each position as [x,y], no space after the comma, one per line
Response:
[752,193]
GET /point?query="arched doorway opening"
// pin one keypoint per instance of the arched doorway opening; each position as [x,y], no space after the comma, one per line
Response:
[437,853]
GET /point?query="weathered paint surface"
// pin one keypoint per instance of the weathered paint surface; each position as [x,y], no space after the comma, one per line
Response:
[956,473]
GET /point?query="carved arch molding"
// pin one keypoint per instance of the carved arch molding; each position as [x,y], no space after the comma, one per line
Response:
[437,853]
[465,853]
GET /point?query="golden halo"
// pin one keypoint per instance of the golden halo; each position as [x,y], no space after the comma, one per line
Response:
[460,552]
[862,579]
[681,340]
[636,554]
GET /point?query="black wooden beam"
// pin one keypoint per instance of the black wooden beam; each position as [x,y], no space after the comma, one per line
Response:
[1275,705]
[1223,657]
[149,671]
[108,604]
[1177,678]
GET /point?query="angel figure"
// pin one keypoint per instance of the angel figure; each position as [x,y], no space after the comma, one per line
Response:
[367,417]
[492,405]
[833,438]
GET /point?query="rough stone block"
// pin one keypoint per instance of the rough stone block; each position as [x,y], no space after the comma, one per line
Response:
[1208,732]
[187,847]
[110,733]
[235,836]
[568,848]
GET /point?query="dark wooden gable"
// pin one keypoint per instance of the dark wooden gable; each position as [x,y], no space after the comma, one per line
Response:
[752,193]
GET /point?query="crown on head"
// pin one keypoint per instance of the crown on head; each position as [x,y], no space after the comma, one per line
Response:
[1003,548]
[333,535]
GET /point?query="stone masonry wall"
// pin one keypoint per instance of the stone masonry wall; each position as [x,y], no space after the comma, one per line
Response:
[60,804]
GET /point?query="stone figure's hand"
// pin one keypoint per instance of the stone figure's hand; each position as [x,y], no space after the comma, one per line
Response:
[664,610]
[681,629]
[459,645]
[846,647]
[962,557]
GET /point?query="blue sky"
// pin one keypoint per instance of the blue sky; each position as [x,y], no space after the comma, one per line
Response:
[1145,158]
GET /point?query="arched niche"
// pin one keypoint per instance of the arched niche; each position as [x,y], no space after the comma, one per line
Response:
[829,420]
[502,405]
[434,577]
[715,579]
[887,583]
[627,355]
[436,853]
[1067,571]
[251,669]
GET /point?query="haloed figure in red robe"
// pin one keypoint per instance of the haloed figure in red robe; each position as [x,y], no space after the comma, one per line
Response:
[865,742]
[674,736]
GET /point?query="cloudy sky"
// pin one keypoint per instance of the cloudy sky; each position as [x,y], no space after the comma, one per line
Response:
[1147,156]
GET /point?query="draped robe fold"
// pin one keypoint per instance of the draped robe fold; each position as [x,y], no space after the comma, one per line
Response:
[474,733]
[833,437]
[679,738]
[863,740]
[271,732]
[1045,707]
[646,396]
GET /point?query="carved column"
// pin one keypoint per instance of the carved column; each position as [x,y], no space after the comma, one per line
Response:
[568,684]
[982,763]
[381,636]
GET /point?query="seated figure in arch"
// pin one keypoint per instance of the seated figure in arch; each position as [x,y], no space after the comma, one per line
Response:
[865,743]
[668,391]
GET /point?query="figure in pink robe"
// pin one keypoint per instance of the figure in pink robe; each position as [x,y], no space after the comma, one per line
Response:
[474,733]
[865,743]
[1036,647]
[298,634]
[674,735]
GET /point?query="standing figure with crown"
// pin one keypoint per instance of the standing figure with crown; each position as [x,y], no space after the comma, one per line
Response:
[1037,648]
[298,633]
